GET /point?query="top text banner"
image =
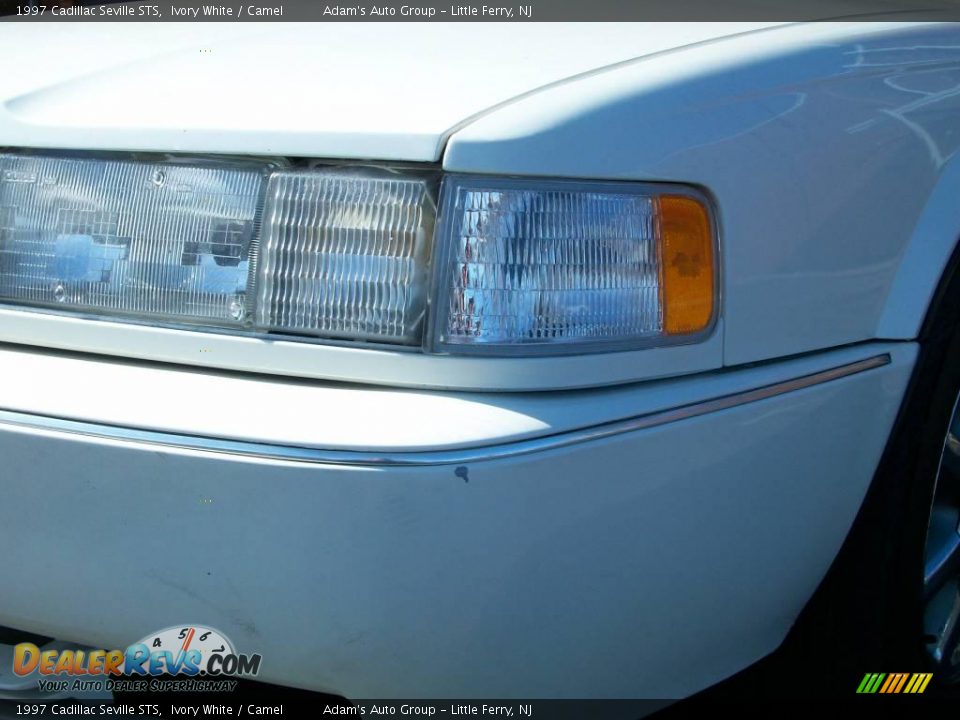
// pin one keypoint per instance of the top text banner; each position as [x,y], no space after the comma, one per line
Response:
[525,11]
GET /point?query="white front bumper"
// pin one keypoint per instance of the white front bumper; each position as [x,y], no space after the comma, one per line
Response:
[650,563]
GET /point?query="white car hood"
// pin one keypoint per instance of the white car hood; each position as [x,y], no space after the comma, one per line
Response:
[391,91]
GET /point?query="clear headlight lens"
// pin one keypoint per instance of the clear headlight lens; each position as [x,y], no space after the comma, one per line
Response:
[116,236]
[519,266]
[537,266]
[335,253]
[345,255]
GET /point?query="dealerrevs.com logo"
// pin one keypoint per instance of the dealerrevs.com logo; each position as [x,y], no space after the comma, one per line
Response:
[183,651]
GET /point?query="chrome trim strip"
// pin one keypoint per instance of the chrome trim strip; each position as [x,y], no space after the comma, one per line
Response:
[441,457]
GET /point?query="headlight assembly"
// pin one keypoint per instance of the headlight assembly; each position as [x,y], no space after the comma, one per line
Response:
[513,266]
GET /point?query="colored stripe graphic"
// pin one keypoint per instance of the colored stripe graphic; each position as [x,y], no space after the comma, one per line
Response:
[894,683]
[871,683]
[903,681]
[921,682]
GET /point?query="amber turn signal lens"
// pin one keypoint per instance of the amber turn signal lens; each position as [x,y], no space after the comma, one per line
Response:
[687,266]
